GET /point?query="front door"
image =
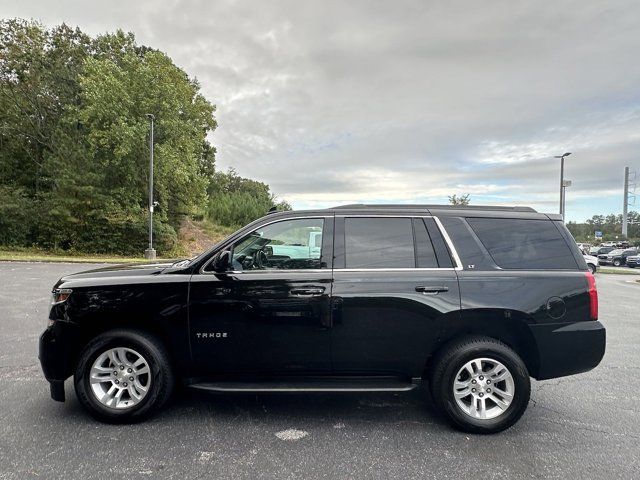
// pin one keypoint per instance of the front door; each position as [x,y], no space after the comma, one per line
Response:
[270,312]
[394,283]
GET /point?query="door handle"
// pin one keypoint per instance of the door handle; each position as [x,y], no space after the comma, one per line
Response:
[307,291]
[432,290]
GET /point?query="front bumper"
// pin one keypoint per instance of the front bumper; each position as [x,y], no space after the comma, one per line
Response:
[57,353]
[567,349]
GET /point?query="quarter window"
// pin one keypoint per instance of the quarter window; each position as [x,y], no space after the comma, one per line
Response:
[523,244]
[286,245]
[425,254]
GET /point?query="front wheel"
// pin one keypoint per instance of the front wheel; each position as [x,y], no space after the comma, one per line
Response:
[481,385]
[592,268]
[123,376]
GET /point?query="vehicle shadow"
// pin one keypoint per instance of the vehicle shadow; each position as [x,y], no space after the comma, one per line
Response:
[326,408]
[335,409]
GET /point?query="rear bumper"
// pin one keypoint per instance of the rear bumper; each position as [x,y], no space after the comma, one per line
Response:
[57,349]
[567,349]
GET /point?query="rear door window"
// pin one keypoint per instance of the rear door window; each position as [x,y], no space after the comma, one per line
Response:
[524,244]
[379,243]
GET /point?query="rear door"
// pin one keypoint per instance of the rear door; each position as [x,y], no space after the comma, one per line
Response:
[394,280]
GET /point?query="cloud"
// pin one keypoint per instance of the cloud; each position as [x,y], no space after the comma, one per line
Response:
[340,102]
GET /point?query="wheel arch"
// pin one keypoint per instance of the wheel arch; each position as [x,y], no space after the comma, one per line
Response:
[511,327]
[91,328]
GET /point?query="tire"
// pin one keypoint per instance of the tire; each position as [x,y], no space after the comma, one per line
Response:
[112,351]
[592,268]
[453,360]
[617,262]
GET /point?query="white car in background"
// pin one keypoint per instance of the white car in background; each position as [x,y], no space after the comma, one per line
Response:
[592,262]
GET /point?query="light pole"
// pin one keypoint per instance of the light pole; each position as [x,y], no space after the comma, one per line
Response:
[150,253]
[562,184]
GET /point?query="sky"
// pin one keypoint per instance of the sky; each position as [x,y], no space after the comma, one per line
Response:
[404,101]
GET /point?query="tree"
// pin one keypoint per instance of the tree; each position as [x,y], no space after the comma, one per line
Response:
[610,226]
[73,139]
[236,201]
[462,200]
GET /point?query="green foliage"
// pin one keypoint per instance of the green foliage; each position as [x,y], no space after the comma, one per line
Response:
[74,140]
[15,211]
[235,201]
[610,226]
[462,200]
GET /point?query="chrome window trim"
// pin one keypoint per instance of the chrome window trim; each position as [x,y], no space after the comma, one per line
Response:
[277,220]
[447,239]
[406,269]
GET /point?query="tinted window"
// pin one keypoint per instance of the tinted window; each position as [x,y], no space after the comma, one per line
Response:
[286,245]
[379,243]
[439,245]
[523,244]
[425,255]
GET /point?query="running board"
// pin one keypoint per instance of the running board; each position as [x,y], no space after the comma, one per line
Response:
[359,384]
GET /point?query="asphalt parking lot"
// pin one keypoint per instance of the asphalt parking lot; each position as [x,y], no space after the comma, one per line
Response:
[585,426]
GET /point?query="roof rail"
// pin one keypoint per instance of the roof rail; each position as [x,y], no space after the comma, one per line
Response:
[356,206]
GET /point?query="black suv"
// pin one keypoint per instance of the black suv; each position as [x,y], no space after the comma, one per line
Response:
[617,257]
[471,301]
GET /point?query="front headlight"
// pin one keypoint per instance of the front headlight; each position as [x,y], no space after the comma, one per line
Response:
[60,295]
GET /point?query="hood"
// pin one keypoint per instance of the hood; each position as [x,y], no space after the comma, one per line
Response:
[126,270]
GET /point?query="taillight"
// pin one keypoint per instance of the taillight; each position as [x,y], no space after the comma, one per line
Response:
[593,296]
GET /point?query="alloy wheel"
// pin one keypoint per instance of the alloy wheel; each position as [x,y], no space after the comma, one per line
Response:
[120,378]
[484,388]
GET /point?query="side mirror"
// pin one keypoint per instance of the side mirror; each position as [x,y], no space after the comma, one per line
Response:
[221,261]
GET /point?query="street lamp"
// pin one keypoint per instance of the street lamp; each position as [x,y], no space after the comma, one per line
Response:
[150,253]
[562,183]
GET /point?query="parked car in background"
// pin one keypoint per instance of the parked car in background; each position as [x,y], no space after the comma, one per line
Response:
[584,247]
[600,250]
[633,261]
[617,257]
[592,262]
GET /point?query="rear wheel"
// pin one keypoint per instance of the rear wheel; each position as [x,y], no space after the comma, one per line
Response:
[480,385]
[123,376]
[592,268]
[617,262]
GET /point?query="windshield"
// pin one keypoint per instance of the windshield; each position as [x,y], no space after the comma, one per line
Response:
[615,252]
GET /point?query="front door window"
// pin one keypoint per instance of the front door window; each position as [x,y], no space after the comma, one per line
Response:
[286,245]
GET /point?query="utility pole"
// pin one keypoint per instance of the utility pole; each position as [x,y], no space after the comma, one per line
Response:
[562,182]
[625,202]
[150,252]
